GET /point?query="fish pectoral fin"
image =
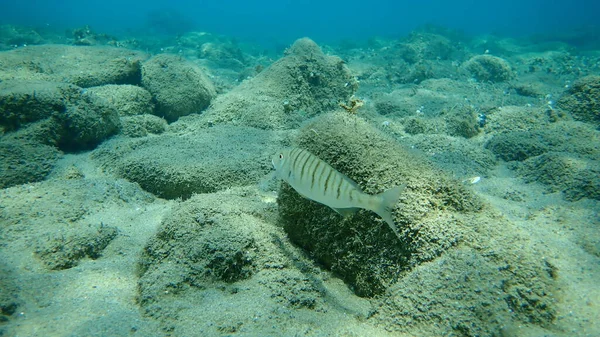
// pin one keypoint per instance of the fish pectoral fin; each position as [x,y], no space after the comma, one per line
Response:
[346,212]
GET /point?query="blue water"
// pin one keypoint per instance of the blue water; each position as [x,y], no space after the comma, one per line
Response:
[324,21]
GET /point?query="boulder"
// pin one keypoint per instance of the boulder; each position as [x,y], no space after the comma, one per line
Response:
[302,84]
[177,86]
[488,68]
[128,100]
[23,101]
[582,99]
[87,122]
[79,65]
[177,166]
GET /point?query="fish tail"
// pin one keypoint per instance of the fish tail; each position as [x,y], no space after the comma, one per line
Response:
[387,200]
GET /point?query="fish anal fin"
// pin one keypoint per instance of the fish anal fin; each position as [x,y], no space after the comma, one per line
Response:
[346,212]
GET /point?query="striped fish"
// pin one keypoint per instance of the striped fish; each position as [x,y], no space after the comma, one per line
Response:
[314,179]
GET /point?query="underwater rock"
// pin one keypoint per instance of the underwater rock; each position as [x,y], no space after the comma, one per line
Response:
[571,137]
[582,99]
[471,292]
[65,251]
[451,246]
[421,46]
[415,125]
[9,300]
[86,122]
[557,62]
[128,100]
[177,86]
[302,84]
[516,118]
[221,249]
[217,247]
[461,122]
[17,36]
[142,125]
[457,155]
[489,68]
[23,101]
[85,36]
[38,124]
[410,101]
[82,66]
[562,136]
[24,162]
[177,166]
[576,176]
[516,145]
[224,54]
[529,89]
[357,150]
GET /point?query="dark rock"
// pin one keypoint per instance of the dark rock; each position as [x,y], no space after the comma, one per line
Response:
[87,122]
[23,102]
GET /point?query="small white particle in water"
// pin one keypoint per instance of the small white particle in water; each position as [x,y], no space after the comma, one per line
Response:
[474,180]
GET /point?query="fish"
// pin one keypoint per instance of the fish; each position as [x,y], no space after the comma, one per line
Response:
[316,180]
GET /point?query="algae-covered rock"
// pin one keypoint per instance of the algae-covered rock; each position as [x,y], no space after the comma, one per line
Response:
[82,66]
[25,161]
[449,262]
[23,101]
[64,251]
[420,46]
[176,166]
[472,291]
[455,154]
[410,101]
[583,99]
[9,299]
[489,68]
[529,89]
[415,125]
[576,176]
[516,145]
[570,136]
[16,35]
[376,163]
[128,100]
[142,125]
[218,247]
[225,55]
[221,250]
[177,86]
[87,122]
[462,122]
[516,118]
[562,136]
[302,84]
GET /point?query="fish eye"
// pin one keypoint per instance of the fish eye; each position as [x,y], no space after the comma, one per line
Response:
[281,156]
